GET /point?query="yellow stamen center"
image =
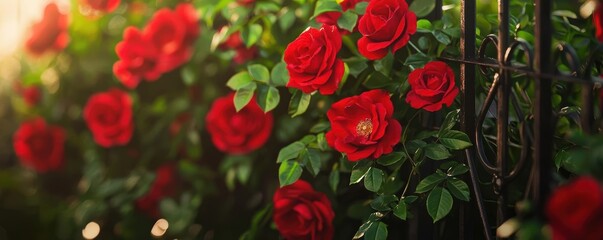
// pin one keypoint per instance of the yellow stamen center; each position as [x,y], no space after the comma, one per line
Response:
[364,128]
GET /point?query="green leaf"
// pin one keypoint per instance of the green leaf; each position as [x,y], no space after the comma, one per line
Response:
[250,35]
[289,172]
[450,121]
[299,103]
[384,65]
[359,170]
[425,134]
[392,158]
[259,72]
[326,6]
[377,231]
[320,127]
[436,152]
[373,179]
[439,203]
[287,20]
[239,80]
[560,158]
[243,95]
[429,183]
[321,141]
[442,37]
[458,170]
[417,60]
[291,151]
[268,98]
[458,188]
[382,202]
[400,210]
[360,8]
[424,25]
[279,75]
[334,177]
[188,75]
[348,20]
[422,8]
[455,140]
[377,80]
[565,13]
[314,160]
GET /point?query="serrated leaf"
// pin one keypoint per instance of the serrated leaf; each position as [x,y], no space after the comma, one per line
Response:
[259,72]
[392,158]
[299,103]
[289,172]
[359,170]
[279,75]
[239,80]
[436,152]
[250,35]
[455,140]
[377,231]
[429,183]
[400,210]
[373,179]
[244,95]
[458,188]
[348,20]
[326,6]
[268,98]
[291,151]
[439,203]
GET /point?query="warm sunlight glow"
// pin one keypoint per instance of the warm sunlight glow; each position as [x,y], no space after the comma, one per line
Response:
[91,230]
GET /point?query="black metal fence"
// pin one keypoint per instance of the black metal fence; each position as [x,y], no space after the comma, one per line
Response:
[541,61]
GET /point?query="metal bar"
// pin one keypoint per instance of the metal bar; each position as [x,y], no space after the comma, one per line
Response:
[543,110]
[503,111]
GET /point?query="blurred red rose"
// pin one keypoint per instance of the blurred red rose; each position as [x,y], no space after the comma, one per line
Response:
[102,5]
[363,126]
[162,187]
[386,24]
[312,61]
[238,132]
[50,34]
[598,21]
[137,59]
[31,95]
[109,117]
[242,53]
[39,146]
[302,213]
[330,18]
[575,211]
[431,87]
[173,34]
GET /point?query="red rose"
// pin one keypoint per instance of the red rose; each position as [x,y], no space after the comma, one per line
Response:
[431,87]
[109,117]
[312,61]
[39,146]
[173,34]
[598,21]
[385,24]
[238,132]
[363,126]
[302,213]
[138,59]
[575,211]
[102,5]
[330,18]
[162,187]
[31,95]
[50,33]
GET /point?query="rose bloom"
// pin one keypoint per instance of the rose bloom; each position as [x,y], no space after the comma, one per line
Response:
[109,117]
[173,34]
[598,21]
[312,61]
[431,87]
[363,126]
[330,18]
[102,5]
[238,132]
[162,187]
[386,24]
[50,34]
[31,94]
[302,213]
[575,211]
[39,146]
[137,59]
